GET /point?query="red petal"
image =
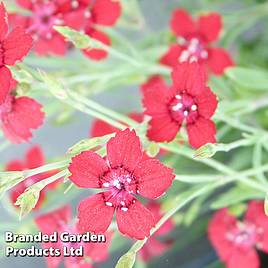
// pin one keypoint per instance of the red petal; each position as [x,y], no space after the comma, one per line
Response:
[182,23]
[154,82]
[136,116]
[106,12]
[201,132]
[124,150]
[255,214]
[94,215]
[98,54]
[25,115]
[99,252]
[16,46]
[100,128]
[153,248]
[53,262]
[190,77]
[243,259]
[171,57]
[153,178]
[35,157]
[3,22]
[76,262]
[210,26]
[207,103]
[218,60]
[56,45]
[156,98]
[86,169]
[53,221]
[163,128]
[25,3]
[75,19]
[5,79]
[15,165]
[220,224]
[136,222]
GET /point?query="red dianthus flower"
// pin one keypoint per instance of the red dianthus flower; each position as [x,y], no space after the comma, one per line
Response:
[60,221]
[18,115]
[122,174]
[188,100]
[236,241]
[14,46]
[82,15]
[34,158]
[194,42]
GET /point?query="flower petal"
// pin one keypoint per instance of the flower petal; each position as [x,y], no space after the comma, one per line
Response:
[53,221]
[207,103]
[218,60]
[86,169]
[220,224]
[172,56]
[97,54]
[35,157]
[94,215]
[26,114]
[153,248]
[243,258]
[55,46]
[5,79]
[100,128]
[189,77]
[182,23]
[99,252]
[153,178]
[25,3]
[136,222]
[124,150]
[154,81]
[106,12]
[3,22]
[201,132]
[16,46]
[162,128]
[210,26]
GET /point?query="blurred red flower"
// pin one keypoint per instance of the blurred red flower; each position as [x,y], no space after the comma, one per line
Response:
[82,15]
[34,158]
[18,115]
[236,241]
[124,172]
[188,99]
[195,39]
[154,247]
[60,221]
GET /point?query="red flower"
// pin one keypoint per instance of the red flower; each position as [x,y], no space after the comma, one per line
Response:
[189,100]
[59,221]
[103,13]
[18,115]
[153,246]
[124,172]
[81,15]
[34,158]
[14,46]
[235,241]
[194,42]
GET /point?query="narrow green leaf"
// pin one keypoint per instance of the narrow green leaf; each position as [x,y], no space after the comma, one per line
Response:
[248,78]
[266,205]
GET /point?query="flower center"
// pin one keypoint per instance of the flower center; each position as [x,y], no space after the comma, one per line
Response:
[183,107]
[120,183]
[245,235]
[43,20]
[194,50]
